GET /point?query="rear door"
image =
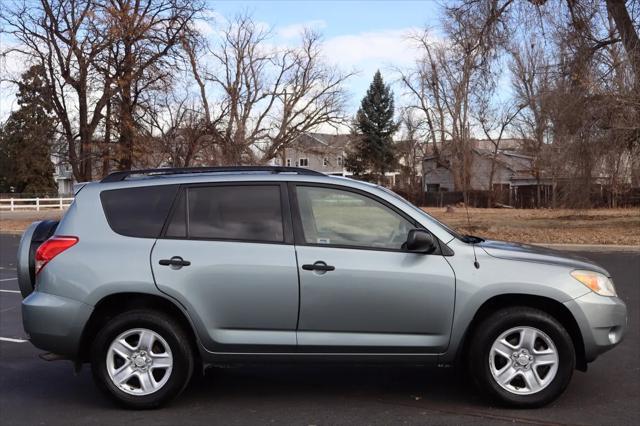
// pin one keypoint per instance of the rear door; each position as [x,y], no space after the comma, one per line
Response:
[359,290]
[227,255]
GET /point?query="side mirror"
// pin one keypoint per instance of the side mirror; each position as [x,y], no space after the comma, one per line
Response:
[420,241]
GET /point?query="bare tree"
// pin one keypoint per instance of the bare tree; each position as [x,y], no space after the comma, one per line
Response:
[619,23]
[176,131]
[411,150]
[593,100]
[266,97]
[495,120]
[449,74]
[531,80]
[101,57]
[144,38]
[62,37]
[424,84]
[620,12]
[580,109]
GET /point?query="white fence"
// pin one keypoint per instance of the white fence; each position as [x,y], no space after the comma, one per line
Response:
[37,204]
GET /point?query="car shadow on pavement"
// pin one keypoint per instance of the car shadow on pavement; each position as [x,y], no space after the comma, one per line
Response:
[335,381]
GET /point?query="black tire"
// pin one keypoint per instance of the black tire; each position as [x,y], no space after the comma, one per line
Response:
[503,320]
[170,331]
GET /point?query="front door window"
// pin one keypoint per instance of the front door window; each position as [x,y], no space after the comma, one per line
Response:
[344,218]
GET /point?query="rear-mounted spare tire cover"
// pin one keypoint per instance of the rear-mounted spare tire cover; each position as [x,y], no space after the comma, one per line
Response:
[33,236]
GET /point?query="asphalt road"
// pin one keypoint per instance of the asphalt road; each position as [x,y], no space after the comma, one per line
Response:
[33,391]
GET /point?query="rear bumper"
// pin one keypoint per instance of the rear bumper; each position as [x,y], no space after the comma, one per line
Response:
[602,321]
[55,323]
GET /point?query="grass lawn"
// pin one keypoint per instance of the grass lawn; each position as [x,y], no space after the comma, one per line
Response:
[561,226]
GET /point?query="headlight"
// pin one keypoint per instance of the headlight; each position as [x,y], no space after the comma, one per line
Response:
[597,282]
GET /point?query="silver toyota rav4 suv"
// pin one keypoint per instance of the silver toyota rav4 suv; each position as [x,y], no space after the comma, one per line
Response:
[153,274]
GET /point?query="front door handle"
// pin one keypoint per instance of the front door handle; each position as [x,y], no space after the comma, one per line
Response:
[174,262]
[318,266]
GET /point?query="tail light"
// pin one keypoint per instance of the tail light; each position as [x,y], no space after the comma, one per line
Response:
[51,248]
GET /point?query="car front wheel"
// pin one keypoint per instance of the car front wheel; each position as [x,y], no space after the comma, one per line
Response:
[522,357]
[142,359]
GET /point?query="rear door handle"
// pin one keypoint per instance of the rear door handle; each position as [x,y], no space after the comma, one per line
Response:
[175,261]
[318,266]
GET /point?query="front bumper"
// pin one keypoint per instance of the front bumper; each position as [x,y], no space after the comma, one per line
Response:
[602,321]
[55,323]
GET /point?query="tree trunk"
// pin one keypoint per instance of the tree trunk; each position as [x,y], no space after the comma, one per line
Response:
[491,176]
[620,15]
[125,141]
[538,195]
[125,113]
[86,165]
[107,141]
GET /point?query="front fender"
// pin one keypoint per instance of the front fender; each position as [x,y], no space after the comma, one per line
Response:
[499,277]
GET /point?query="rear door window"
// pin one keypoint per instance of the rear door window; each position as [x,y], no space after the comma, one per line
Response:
[240,213]
[138,212]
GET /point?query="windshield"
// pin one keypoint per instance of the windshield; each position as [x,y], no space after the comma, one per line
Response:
[422,212]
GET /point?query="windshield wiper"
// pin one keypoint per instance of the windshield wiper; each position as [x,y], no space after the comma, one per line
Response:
[472,239]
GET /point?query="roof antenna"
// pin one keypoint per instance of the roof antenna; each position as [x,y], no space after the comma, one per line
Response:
[475,259]
[473,244]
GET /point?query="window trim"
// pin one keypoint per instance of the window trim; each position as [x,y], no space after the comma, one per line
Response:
[298,230]
[287,225]
[306,159]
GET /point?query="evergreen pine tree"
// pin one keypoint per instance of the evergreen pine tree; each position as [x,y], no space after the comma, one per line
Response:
[25,153]
[373,150]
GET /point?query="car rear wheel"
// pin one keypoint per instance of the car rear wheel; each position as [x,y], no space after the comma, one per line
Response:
[522,357]
[142,358]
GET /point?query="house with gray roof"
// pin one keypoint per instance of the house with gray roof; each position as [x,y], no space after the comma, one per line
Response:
[322,152]
[513,177]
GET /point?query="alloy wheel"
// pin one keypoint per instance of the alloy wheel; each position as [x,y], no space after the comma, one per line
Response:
[523,360]
[139,361]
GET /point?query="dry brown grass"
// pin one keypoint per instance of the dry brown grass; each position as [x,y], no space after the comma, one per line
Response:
[562,226]
[16,222]
[593,226]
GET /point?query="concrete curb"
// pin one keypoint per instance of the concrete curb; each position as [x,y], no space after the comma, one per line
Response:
[590,247]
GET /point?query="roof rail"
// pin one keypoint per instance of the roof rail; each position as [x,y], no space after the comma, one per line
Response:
[122,175]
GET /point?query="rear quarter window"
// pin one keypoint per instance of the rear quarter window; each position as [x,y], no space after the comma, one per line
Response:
[138,212]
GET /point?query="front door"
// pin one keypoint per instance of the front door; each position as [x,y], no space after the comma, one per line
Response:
[359,290]
[240,285]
